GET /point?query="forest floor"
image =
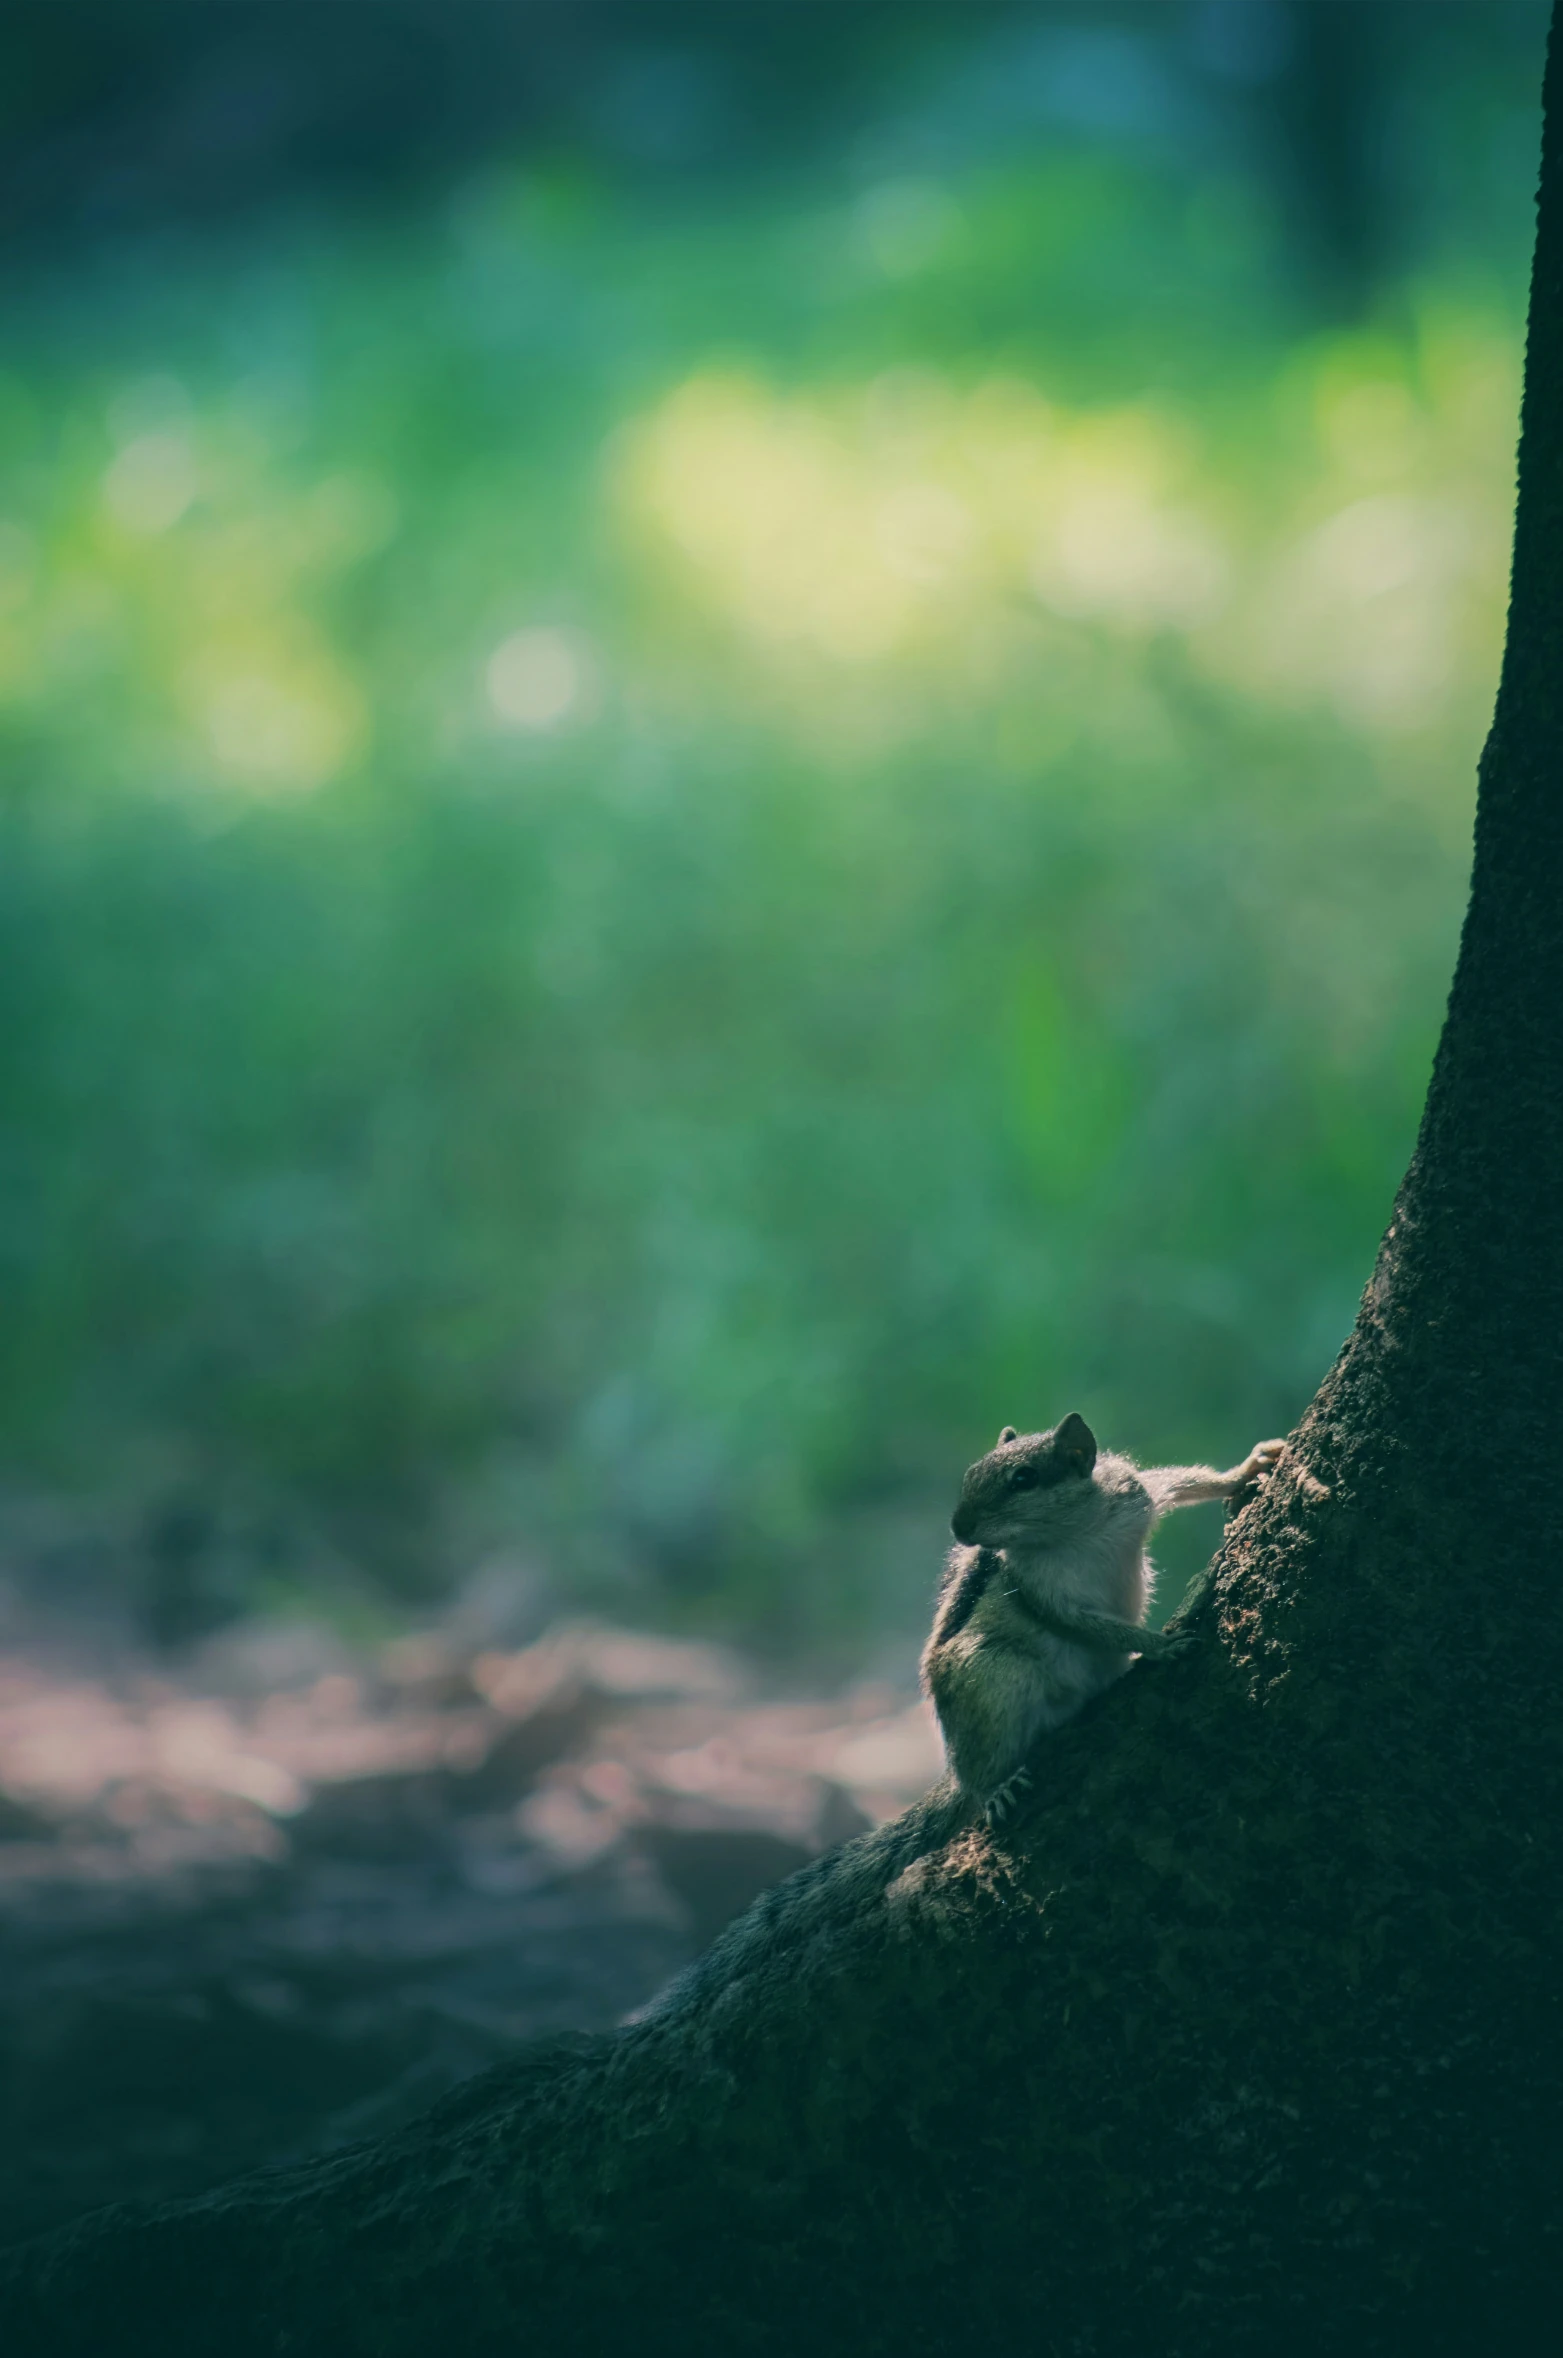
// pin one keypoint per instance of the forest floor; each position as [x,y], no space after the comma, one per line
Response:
[282,1894]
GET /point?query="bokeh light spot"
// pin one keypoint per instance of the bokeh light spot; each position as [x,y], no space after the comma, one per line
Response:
[537,678]
[278,712]
[151,482]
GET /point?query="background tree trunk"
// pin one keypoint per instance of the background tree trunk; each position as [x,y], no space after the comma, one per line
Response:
[1248,2033]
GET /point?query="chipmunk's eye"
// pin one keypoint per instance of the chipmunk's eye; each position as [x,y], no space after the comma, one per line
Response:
[1023,1478]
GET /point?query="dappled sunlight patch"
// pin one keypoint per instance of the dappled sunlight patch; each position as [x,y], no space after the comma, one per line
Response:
[1376,588]
[1113,553]
[187,585]
[149,484]
[888,529]
[276,713]
[1366,600]
[763,504]
[899,518]
[154,475]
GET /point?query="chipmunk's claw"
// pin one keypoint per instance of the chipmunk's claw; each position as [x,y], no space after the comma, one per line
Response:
[1255,1470]
[1001,1799]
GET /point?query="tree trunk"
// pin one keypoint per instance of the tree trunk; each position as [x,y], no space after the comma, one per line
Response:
[1246,2036]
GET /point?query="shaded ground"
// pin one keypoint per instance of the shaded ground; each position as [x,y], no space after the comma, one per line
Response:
[286,1896]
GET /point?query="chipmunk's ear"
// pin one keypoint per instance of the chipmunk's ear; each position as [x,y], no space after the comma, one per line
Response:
[1008,1434]
[1075,1443]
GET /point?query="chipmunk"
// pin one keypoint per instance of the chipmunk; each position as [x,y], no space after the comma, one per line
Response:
[1044,1596]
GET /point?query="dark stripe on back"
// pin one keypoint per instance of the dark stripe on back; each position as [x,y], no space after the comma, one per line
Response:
[961,1598]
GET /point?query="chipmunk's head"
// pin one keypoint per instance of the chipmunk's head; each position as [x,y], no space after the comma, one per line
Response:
[1013,1493]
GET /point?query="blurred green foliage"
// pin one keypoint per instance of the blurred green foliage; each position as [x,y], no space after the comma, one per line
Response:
[661,860]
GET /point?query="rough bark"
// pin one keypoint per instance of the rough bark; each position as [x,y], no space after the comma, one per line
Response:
[1246,2034]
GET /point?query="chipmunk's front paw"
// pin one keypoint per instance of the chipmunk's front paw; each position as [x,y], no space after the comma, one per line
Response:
[1002,1799]
[1177,1639]
[1260,1462]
